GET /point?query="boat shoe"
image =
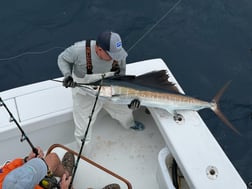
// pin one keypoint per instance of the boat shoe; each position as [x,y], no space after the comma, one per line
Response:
[112,186]
[138,126]
[68,162]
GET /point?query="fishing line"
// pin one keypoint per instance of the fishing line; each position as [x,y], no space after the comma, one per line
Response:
[154,25]
[58,47]
[86,132]
[23,136]
[31,53]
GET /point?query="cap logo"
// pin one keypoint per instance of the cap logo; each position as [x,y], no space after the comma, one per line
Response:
[119,44]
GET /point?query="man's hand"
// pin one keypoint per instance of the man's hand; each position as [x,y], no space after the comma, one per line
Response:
[134,104]
[116,69]
[69,82]
[65,182]
[33,155]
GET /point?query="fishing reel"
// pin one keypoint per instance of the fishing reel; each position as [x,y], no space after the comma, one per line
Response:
[49,182]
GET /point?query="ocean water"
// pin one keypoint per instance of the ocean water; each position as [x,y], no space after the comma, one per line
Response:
[204,43]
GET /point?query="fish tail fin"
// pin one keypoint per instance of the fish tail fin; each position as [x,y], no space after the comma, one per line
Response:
[217,110]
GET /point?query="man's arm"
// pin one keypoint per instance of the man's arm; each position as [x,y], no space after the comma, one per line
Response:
[66,60]
[122,65]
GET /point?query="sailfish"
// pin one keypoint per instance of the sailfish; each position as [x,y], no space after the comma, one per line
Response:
[154,89]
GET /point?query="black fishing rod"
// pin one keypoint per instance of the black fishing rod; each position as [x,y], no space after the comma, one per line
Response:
[23,136]
[127,78]
[86,132]
[75,83]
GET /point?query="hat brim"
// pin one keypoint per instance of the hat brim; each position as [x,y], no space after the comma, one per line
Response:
[120,55]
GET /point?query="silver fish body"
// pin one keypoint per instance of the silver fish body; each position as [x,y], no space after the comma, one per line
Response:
[169,101]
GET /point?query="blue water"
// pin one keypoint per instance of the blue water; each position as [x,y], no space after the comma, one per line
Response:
[204,43]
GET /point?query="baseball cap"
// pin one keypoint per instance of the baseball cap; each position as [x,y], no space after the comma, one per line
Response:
[27,176]
[111,42]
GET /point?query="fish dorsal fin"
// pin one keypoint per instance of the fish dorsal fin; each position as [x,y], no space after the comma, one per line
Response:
[157,80]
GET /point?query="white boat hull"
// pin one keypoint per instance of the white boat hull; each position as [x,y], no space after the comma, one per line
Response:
[44,110]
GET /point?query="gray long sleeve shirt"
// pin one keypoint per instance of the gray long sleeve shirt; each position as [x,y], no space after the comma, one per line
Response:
[73,61]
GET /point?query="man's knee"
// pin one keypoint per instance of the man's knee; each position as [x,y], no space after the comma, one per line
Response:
[52,160]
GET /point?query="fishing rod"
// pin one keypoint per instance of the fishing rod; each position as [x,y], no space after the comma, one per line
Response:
[75,83]
[23,136]
[115,78]
[86,132]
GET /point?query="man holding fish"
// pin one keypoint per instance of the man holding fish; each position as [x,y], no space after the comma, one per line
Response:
[88,61]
